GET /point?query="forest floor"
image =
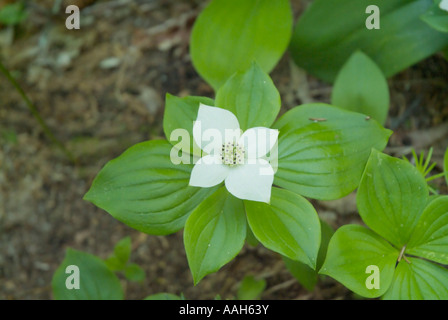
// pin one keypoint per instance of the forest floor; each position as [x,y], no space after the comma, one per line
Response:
[101,89]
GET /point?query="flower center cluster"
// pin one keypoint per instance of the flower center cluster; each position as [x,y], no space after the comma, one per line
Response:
[232,154]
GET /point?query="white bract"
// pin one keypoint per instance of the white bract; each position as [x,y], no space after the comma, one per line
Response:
[444,5]
[238,159]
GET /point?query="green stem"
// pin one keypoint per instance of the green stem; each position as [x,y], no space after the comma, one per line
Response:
[36,113]
[432,190]
[428,159]
[421,159]
[437,176]
[429,169]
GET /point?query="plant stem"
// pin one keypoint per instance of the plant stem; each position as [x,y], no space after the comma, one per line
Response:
[429,169]
[428,159]
[36,113]
[437,176]
[402,256]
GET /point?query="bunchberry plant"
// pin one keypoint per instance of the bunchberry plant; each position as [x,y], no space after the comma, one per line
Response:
[328,32]
[405,241]
[100,281]
[232,171]
[84,276]
[159,187]
[118,261]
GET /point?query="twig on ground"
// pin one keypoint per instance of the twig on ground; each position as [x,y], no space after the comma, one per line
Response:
[36,113]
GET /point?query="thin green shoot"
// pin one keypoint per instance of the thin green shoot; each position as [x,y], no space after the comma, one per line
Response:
[425,167]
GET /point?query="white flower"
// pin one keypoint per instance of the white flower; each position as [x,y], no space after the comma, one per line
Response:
[238,159]
[444,5]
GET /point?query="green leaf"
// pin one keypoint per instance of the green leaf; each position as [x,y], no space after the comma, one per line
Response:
[12,14]
[251,96]
[229,35]
[304,274]
[250,237]
[322,150]
[430,238]
[163,296]
[419,280]
[391,197]
[122,249]
[445,164]
[351,251]
[96,281]
[435,17]
[115,264]
[214,233]
[180,113]
[145,190]
[251,288]
[134,272]
[361,87]
[288,225]
[330,31]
